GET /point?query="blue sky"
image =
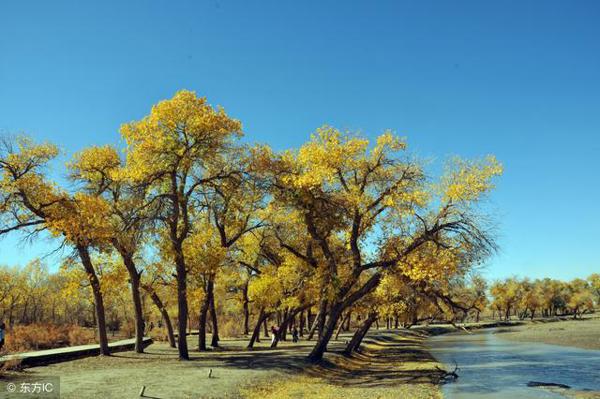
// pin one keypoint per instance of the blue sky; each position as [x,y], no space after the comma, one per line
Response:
[519,79]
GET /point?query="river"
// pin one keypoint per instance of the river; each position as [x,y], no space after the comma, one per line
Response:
[492,367]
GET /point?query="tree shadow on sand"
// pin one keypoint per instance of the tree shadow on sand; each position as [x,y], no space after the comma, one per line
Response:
[385,360]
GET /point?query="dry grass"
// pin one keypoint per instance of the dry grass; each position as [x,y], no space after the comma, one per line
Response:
[23,338]
[9,367]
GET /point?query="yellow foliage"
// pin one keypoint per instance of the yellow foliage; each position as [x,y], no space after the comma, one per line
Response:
[469,180]
[96,163]
[431,263]
[203,251]
[178,132]
[84,219]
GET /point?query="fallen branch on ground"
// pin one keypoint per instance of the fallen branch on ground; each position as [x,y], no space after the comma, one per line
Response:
[448,376]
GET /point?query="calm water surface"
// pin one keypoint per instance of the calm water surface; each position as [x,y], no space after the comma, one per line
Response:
[492,367]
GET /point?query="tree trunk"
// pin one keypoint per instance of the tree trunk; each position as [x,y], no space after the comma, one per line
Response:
[322,319]
[202,319]
[213,314]
[339,329]
[301,324]
[24,312]
[314,326]
[138,312]
[262,316]
[288,319]
[325,334]
[360,333]
[246,309]
[319,322]
[265,327]
[182,305]
[84,255]
[348,320]
[163,312]
[281,333]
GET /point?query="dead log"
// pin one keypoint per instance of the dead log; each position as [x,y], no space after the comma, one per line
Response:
[448,376]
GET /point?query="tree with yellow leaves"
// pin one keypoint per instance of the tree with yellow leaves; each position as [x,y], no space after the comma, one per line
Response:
[101,172]
[594,281]
[158,284]
[30,202]
[12,288]
[174,151]
[366,209]
[233,205]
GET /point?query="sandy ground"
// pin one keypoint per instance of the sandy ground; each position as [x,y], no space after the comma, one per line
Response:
[391,366]
[584,333]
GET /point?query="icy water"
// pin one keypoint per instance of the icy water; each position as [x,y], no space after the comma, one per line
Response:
[492,367]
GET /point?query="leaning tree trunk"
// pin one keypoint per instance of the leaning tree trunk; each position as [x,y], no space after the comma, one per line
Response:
[84,255]
[163,312]
[262,316]
[213,315]
[287,321]
[307,323]
[314,326]
[341,325]
[358,336]
[325,334]
[319,320]
[134,279]
[203,314]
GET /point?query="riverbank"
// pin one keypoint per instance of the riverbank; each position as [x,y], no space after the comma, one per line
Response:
[392,364]
[583,333]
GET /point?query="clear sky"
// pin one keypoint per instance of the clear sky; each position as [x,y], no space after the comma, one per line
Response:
[520,79]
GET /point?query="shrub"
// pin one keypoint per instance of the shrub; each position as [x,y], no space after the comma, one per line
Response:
[80,336]
[159,334]
[230,328]
[128,328]
[32,337]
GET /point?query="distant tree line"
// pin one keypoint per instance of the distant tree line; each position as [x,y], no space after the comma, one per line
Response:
[524,298]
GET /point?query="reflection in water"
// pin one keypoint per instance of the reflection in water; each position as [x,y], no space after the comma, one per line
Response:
[491,367]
